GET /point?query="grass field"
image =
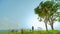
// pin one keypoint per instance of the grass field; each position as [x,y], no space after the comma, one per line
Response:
[34,32]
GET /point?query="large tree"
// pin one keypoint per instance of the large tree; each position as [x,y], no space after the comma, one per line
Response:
[42,11]
[55,14]
[41,15]
[46,12]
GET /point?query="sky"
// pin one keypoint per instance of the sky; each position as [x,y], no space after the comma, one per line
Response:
[17,14]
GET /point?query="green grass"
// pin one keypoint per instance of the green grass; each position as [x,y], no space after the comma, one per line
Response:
[33,32]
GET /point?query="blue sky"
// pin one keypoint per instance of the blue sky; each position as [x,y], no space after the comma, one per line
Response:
[16,14]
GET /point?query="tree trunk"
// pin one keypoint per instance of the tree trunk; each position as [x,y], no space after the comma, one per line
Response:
[46,26]
[52,21]
[45,20]
[52,26]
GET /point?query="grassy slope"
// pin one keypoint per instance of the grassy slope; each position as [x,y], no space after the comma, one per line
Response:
[33,32]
